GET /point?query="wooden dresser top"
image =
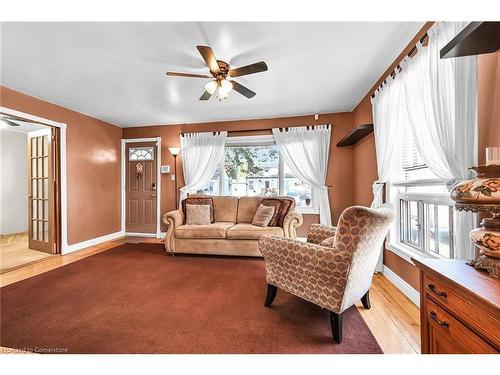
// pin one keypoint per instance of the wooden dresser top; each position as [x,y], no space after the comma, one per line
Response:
[479,283]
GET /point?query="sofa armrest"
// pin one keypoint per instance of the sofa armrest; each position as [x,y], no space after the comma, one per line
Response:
[319,232]
[291,222]
[313,272]
[172,219]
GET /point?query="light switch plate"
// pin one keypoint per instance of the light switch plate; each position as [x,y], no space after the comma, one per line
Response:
[172,177]
[165,169]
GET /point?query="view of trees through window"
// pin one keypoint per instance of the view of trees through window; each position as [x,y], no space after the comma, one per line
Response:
[254,170]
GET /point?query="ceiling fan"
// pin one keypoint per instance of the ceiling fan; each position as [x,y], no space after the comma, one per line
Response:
[220,72]
[9,119]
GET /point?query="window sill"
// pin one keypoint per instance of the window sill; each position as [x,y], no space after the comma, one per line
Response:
[308,210]
[406,252]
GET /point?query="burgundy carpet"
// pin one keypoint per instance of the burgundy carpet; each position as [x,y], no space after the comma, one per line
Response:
[135,299]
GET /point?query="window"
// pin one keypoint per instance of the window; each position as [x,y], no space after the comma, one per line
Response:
[251,170]
[141,153]
[294,187]
[253,167]
[425,211]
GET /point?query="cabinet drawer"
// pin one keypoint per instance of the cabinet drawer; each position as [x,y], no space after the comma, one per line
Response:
[479,320]
[447,335]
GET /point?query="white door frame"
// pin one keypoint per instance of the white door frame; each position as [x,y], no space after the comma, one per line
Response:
[64,192]
[158,186]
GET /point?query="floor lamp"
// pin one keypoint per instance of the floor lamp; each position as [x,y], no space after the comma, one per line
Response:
[175,151]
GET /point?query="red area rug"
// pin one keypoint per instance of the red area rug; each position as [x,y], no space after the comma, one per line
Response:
[136,299]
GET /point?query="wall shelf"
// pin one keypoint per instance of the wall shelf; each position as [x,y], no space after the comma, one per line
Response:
[355,135]
[477,38]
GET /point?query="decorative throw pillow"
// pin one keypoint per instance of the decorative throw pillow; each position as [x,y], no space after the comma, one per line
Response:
[328,242]
[208,201]
[286,204]
[276,203]
[263,216]
[281,208]
[197,214]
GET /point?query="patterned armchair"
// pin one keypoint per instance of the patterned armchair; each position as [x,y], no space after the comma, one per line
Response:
[331,272]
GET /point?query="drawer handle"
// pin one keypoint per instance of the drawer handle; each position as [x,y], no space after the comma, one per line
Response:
[442,323]
[432,288]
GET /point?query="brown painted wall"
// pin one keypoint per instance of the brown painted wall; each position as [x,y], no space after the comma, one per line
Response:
[93,166]
[364,159]
[364,163]
[340,159]
[488,102]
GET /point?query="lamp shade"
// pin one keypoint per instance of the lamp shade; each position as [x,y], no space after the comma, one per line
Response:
[174,150]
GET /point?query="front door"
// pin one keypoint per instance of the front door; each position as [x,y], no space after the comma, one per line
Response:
[43,174]
[140,187]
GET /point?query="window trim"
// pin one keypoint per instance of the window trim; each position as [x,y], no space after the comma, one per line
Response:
[264,140]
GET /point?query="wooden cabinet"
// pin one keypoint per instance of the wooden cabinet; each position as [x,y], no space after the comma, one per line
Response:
[459,308]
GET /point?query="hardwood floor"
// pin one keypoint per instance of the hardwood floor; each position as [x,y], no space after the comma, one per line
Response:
[14,252]
[393,319]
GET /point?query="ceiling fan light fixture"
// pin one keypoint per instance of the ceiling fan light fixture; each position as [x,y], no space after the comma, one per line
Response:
[211,87]
[225,88]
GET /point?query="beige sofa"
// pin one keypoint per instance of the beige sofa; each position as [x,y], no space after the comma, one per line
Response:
[232,233]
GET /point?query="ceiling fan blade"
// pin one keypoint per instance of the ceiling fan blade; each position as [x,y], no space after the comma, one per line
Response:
[248,69]
[175,74]
[16,118]
[242,90]
[206,95]
[209,57]
[10,122]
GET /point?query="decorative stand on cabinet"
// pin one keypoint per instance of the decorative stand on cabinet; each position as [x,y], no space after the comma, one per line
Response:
[459,308]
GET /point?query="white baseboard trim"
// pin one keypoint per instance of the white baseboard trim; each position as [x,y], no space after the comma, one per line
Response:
[402,285]
[161,235]
[92,242]
[136,234]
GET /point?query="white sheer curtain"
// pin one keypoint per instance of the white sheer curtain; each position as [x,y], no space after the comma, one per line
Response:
[305,150]
[387,120]
[201,154]
[440,99]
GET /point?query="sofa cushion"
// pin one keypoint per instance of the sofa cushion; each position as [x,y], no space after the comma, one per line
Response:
[226,208]
[215,230]
[245,231]
[247,207]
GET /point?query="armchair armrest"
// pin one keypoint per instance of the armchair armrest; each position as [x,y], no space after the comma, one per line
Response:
[172,219]
[291,221]
[319,232]
[313,272]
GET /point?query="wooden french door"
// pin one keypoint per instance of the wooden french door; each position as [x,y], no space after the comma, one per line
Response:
[43,172]
[140,187]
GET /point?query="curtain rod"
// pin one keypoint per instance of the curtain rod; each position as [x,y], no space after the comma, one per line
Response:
[392,74]
[254,130]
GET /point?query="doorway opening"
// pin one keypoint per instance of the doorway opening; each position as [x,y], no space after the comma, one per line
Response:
[30,212]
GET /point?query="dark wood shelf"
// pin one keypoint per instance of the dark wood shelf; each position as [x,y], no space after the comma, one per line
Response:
[355,135]
[475,39]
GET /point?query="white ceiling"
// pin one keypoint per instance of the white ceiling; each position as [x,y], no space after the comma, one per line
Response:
[116,71]
[23,127]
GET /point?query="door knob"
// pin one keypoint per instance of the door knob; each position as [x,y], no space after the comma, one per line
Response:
[153,195]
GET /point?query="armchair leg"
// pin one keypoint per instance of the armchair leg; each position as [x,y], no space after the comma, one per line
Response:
[271,293]
[365,300]
[336,325]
